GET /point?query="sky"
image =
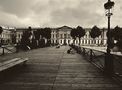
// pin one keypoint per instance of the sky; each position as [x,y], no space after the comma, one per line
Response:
[56,13]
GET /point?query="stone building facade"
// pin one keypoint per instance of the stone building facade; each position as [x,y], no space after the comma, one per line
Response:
[59,35]
[6,35]
[62,36]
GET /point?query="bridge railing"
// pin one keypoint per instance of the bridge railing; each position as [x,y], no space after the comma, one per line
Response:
[96,55]
[6,49]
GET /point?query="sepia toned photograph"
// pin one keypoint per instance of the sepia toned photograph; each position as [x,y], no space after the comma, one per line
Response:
[60,44]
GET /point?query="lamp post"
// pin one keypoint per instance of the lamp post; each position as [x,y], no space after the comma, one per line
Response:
[108,58]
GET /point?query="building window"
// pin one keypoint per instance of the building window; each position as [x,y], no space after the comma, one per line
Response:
[82,41]
[61,41]
[88,41]
[65,35]
[68,41]
[61,35]
[68,35]
[94,41]
[56,35]
[53,41]
[98,42]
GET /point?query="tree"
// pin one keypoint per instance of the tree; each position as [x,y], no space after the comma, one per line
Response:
[80,32]
[47,35]
[25,41]
[37,34]
[1,29]
[25,37]
[73,35]
[95,32]
[117,35]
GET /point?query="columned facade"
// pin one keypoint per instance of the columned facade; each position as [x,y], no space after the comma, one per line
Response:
[62,36]
[6,36]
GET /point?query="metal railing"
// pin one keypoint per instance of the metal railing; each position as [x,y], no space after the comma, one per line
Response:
[6,49]
[97,57]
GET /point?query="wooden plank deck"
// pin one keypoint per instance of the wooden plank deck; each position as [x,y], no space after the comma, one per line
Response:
[54,69]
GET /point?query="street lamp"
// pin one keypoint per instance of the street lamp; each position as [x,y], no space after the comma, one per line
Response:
[108,58]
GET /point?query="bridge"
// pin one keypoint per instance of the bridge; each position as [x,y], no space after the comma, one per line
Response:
[53,69]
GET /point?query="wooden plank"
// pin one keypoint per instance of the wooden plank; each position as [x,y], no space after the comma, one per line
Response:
[11,63]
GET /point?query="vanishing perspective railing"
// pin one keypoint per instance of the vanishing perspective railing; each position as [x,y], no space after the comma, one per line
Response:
[96,55]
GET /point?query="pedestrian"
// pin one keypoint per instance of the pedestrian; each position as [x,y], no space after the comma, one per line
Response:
[70,51]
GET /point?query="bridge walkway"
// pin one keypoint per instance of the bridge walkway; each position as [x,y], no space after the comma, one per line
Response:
[53,69]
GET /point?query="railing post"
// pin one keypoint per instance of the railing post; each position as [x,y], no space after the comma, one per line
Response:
[109,67]
[91,55]
[3,50]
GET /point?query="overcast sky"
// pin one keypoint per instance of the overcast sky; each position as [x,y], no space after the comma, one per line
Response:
[54,13]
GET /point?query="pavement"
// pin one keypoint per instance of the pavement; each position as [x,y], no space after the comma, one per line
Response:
[53,69]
